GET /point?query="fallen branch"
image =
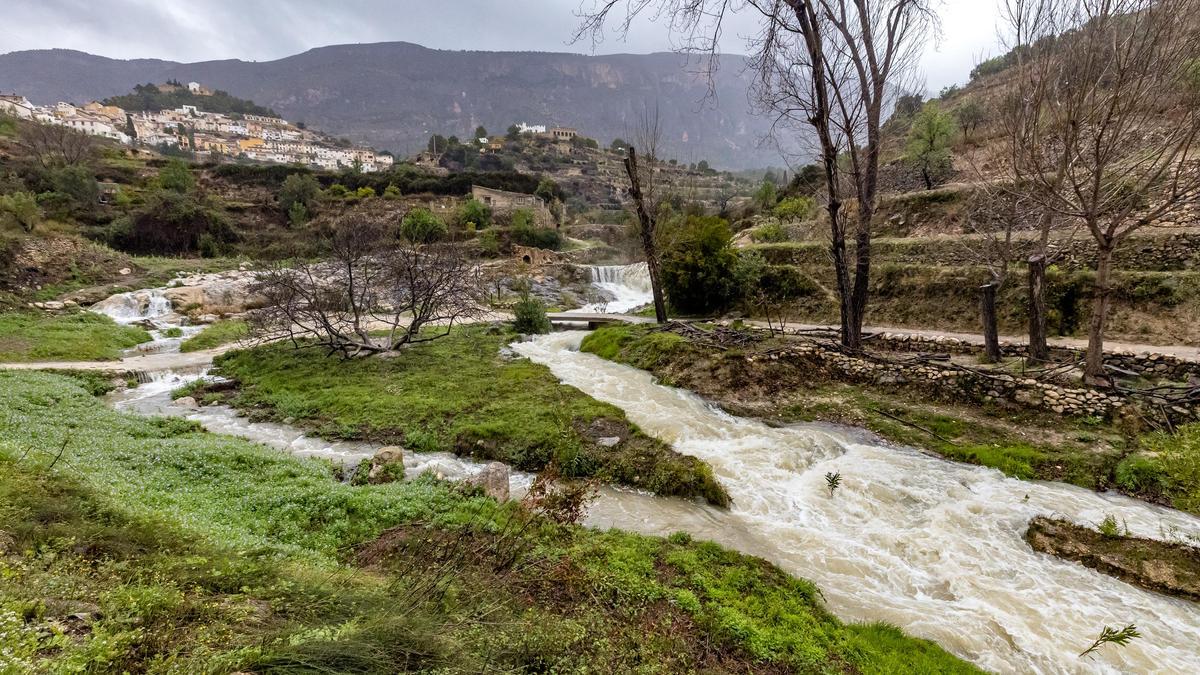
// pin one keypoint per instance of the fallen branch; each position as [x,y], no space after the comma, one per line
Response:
[914,425]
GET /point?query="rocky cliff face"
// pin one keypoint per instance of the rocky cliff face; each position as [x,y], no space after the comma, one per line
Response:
[394,95]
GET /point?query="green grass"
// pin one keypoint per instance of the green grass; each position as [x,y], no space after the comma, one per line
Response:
[82,336]
[151,546]
[458,394]
[217,334]
[1167,466]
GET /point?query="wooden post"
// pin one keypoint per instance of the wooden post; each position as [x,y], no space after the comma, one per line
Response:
[991,331]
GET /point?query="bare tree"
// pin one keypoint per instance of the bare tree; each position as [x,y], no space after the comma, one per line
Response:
[1104,124]
[832,65]
[54,146]
[647,191]
[374,294]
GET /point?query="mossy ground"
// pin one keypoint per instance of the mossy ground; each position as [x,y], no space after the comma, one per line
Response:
[82,336]
[1163,468]
[460,394]
[132,544]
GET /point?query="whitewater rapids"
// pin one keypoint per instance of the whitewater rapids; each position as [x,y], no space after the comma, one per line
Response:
[932,546]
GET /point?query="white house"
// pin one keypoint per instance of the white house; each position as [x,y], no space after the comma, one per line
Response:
[17,106]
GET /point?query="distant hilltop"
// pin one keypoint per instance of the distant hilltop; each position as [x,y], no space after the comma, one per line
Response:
[205,134]
[394,95]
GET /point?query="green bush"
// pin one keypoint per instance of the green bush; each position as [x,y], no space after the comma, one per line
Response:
[526,233]
[699,271]
[78,183]
[423,227]
[529,316]
[299,188]
[771,233]
[22,209]
[364,193]
[392,192]
[475,212]
[794,208]
[338,191]
[177,177]
[297,214]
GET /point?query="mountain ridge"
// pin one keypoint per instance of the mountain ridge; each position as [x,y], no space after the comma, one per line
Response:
[394,95]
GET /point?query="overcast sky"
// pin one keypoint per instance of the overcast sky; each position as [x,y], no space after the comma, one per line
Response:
[261,30]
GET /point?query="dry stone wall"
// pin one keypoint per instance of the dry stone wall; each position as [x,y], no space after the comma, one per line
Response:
[1156,366]
[954,382]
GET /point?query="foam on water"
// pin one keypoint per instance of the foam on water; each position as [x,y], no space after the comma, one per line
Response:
[933,546]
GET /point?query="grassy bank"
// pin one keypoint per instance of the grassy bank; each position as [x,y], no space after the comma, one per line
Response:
[214,335]
[151,546]
[83,336]
[460,394]
[1163,468]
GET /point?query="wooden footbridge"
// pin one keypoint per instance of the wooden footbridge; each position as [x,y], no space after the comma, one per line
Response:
[596,320]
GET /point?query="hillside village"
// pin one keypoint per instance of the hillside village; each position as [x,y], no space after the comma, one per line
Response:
[209,136]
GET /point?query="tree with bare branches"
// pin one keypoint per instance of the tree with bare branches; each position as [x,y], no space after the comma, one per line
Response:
[647,192]
[834,66]
[1103,122]
[53,146]
[375,293]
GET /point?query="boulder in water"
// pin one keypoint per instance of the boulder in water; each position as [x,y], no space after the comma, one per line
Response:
[493,479]
[187,402]
[387,465]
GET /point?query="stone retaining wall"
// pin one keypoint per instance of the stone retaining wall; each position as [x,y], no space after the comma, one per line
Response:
[1156,366]
[952,382]
[1165,252]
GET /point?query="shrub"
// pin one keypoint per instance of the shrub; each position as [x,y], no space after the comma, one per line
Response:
[338,191]
[765,197]
[529,315]
[421,226]
[297,213]
[78,183]
[489,243]
[301,189]
[699,272]
[172,223]
[392,192]
[364,193]
[177,177]
[475,212]
[771,233]
[794,208]
[22,209]
[524,232]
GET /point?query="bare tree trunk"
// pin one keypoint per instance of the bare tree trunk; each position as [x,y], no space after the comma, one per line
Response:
[647,225]
[1038,349]
[991,332]
[1101,299]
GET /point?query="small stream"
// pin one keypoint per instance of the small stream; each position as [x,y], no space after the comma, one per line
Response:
[932,546]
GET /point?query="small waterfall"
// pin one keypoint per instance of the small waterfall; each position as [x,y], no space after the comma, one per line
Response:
[628,284]
[134,306]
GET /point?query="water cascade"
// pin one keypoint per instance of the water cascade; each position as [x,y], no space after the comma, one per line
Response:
[629,285]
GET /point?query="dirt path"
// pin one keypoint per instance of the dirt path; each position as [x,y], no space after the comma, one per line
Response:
[1191,353]
[144,362]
